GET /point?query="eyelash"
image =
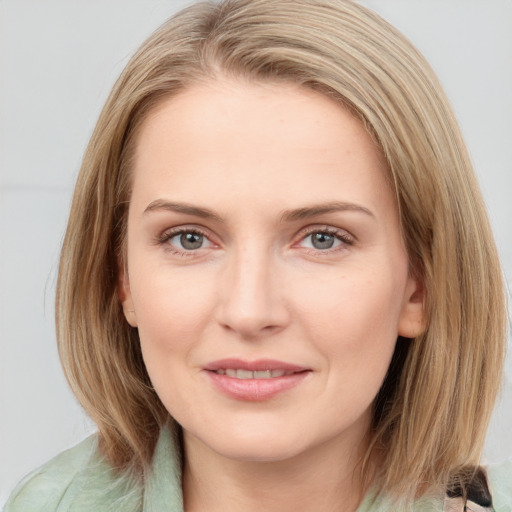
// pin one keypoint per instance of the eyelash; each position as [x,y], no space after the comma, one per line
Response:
[168,235]
[345,239]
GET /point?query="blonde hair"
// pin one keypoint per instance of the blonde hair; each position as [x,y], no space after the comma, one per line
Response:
[432,412]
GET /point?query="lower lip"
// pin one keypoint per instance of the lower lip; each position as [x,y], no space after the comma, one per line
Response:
[255,390]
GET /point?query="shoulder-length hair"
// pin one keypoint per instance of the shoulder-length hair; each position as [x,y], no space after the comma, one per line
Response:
[431,414]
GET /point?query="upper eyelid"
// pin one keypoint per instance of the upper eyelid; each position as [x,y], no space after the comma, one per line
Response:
[170,232]
[324,228]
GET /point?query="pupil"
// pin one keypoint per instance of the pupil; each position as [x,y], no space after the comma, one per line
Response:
[322,241]
[191,241]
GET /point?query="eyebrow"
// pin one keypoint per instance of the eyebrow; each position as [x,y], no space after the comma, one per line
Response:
[322,209]
[286,216]
[188,209]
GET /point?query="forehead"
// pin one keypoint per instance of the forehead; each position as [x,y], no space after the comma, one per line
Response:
[257,140]
[242,108]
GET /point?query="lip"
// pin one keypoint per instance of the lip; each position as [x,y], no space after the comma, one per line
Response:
[254,366]
[255,389]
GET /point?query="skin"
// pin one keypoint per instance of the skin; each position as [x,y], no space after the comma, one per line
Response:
[259,287]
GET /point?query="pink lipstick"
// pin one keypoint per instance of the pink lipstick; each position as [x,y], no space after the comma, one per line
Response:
[254,380]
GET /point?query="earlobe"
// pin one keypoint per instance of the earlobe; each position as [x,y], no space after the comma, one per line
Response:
[125,296]
[412,322]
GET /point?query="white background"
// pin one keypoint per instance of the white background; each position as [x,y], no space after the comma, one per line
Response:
[58,61]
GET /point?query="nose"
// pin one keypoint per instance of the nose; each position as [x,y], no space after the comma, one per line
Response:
[253,301]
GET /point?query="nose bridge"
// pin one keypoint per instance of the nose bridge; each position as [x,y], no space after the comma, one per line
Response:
[252,303]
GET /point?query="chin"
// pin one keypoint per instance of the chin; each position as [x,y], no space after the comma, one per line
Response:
[261,445]
[259,451]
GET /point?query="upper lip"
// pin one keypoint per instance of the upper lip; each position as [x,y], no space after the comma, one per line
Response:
[254,366]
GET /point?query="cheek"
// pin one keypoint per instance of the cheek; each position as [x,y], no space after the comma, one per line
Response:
[171,308]
[353,317]
[172,312]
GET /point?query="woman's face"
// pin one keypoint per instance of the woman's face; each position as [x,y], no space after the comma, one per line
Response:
[265,269]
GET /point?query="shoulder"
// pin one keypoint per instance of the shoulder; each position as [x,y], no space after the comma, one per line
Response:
[76,480]
[45,487]
[500,482]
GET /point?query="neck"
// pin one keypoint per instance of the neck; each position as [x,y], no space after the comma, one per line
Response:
[324,479]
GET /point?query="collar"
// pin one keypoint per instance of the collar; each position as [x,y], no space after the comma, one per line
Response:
[162,490]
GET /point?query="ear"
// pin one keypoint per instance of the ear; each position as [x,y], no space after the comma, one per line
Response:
[125,295]
[412,321]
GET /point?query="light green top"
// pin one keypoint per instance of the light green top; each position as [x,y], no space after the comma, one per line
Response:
[79,480]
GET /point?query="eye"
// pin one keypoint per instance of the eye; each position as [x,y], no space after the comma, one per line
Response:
[322,240]
[186,240]
[325,239]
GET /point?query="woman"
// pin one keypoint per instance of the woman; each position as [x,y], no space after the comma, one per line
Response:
[278,287]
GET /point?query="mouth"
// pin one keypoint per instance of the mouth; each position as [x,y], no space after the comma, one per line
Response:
[254,380]
[259,369]
[239,373]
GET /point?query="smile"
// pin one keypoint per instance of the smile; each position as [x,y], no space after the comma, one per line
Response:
[248,374]
[254,381]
